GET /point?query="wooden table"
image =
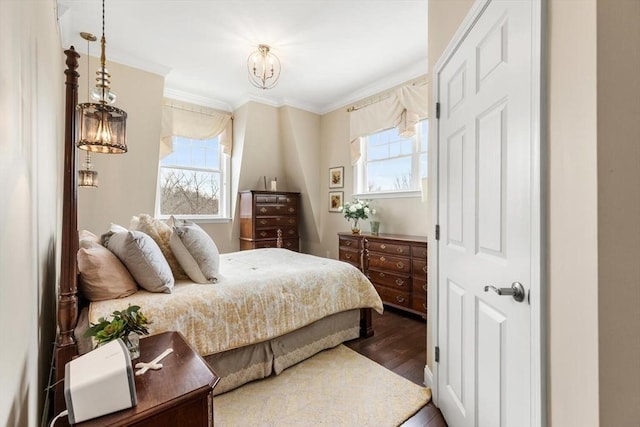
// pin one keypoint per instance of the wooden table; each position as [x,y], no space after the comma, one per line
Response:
[179,394]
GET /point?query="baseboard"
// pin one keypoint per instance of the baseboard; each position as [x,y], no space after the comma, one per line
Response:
[428,377]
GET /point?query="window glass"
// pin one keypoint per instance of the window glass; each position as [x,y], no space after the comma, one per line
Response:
[191,179]
[392,163]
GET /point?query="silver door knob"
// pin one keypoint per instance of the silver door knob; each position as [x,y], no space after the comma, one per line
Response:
[516,291]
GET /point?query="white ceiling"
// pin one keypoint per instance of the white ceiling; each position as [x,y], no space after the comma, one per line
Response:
[333,52]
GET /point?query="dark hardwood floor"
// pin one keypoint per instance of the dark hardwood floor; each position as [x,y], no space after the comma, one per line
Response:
[400,345]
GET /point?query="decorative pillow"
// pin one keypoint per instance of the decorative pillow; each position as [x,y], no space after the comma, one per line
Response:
[160,232]
[142,257]
[87,239]
[102,275]
[195,250]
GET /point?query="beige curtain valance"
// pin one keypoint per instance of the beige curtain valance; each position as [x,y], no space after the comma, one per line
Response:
[177,121]
[403,108]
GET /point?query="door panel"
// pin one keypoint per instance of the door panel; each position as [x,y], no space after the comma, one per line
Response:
[484,191]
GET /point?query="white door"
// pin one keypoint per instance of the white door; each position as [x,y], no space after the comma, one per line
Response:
[485,187]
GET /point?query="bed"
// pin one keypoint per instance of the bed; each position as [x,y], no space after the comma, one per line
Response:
[270,309]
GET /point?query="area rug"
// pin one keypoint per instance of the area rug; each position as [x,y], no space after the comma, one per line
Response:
[337,387]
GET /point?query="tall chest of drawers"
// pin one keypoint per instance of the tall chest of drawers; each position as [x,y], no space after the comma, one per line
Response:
[395,264]
[263,214]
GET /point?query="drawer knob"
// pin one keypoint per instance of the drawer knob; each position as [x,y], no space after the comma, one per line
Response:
[277,208]
[263,210]
[383,246]
[347,256]
[382,259]
[289,244]
[424,269]
[400,265]
[263,221]
[399,298]
[382,274]
[424,306]
[292,232]
[347,243]
[292,221]
[292,210]
[263,234]
[424,287]
[399,282]
[400,250]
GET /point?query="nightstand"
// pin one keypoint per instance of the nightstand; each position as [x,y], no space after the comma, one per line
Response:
[179,394]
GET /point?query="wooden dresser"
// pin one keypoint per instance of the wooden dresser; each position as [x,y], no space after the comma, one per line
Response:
[263,213]
[396,265]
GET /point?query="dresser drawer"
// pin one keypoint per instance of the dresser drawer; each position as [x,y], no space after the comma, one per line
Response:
[419,251]
[390,263]
[272,233]
[419,269]
[349,242]
[271,210]
[276,199]
[419,287]
[419,304]
[291,244]
[349,255]
[393,296]
[389,248]
[391,280]
[276,221]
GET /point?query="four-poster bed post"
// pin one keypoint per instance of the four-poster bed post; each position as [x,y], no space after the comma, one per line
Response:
[66,346]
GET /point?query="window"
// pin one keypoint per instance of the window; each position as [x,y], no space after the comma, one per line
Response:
[391,163]
[192,180]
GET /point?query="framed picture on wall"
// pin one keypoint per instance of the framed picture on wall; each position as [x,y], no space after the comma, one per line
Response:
[336,177]
[335,200]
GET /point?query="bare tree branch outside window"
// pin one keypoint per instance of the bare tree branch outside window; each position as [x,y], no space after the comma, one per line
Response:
[187,192]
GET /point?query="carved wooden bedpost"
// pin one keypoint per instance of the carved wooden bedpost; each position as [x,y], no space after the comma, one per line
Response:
[66,346]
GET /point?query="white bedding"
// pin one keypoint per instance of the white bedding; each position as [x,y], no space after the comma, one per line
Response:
[262,294]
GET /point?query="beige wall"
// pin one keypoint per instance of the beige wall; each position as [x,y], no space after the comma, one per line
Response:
[401,215]
[31,131]
[127,182]
[618,171]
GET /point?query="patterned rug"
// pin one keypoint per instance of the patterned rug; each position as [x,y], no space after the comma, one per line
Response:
[337,387]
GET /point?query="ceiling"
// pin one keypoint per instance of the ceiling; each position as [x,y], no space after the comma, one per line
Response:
[333,52]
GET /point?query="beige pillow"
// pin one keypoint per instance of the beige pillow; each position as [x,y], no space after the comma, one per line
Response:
[195,250]
[142,257]
[161,234]
[102,275]
[87,239]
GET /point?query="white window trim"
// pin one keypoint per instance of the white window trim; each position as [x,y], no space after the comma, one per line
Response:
[359,176]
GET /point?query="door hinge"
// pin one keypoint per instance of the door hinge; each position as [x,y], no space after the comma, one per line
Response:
[437,232]
[437,110]
[437,355]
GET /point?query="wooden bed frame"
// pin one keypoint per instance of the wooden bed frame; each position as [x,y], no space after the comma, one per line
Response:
[68,303]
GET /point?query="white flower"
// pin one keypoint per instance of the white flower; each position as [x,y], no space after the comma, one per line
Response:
[367,210]
[353,208]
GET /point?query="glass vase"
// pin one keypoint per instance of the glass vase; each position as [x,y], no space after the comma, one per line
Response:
[355,228]
[132,341]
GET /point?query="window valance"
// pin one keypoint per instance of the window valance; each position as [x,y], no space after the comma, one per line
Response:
[179,121]
[403,108]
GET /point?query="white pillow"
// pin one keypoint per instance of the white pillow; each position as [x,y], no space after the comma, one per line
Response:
[142,257]
[195,250]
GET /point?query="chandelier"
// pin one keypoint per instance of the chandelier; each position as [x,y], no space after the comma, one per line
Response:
[263,67]
[103,127]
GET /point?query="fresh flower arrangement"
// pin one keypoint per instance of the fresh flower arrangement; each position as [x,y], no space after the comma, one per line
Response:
[356,210]
[120,326]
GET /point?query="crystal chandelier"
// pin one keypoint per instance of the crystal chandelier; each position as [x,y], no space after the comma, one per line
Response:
[263,67]
[103,127]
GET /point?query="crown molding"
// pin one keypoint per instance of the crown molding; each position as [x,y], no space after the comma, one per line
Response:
[179,95]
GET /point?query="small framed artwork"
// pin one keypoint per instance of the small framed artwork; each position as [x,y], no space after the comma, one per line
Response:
[335,200]
[336,177]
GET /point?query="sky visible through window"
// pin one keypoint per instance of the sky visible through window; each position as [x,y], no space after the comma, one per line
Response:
[391,159]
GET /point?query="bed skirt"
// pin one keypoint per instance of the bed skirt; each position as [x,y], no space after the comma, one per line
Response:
[242,365]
